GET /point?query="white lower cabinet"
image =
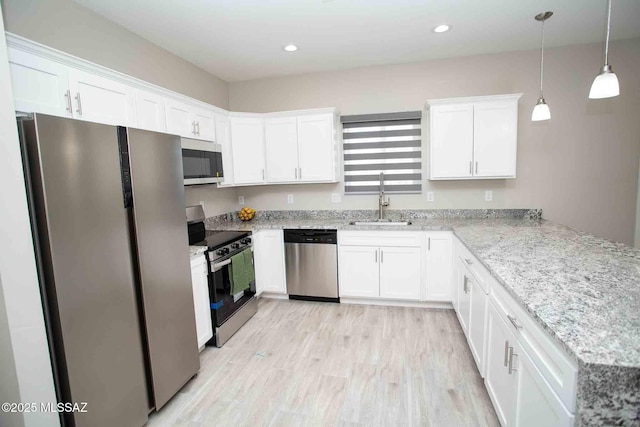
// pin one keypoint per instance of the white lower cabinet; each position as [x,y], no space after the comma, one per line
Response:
[463,305]
[386,265]
[359,275]
[268,255]
[478,301]
[439,266]
[400,273]
[201,304]
[501,381]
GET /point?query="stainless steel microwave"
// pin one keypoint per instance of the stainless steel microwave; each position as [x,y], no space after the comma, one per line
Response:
[201,162]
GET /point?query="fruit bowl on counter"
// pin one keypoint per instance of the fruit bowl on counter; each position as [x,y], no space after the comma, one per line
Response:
[246,214]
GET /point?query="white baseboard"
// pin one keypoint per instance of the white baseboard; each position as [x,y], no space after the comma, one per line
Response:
[397,303]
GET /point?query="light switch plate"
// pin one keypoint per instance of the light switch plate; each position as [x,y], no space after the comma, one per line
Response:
[290,198]
[336,197]
[241,200]
[430,196]
[488,196]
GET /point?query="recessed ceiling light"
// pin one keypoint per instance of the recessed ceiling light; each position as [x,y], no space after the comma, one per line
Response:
[290,47]
[441,28]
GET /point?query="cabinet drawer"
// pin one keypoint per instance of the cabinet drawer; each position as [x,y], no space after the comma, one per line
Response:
[481,274]
[553,363]
[380,238]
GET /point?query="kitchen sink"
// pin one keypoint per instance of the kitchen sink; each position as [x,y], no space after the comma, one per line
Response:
[381,223]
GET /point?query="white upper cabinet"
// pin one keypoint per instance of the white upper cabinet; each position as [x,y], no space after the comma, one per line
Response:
[451,141]
[39,85]
[223,137]
[316,148]
[247,142]
[300,148]
[495,133]
[473,138]
[101,100]
[190,121]
[281,143]
[150,112]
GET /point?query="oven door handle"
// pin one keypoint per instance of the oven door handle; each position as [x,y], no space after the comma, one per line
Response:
[218,266]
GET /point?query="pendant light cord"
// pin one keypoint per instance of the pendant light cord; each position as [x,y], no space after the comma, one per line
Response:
[606,45]
[542,57]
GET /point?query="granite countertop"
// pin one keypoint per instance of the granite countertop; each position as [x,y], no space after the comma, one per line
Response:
[585,291]
[194,251]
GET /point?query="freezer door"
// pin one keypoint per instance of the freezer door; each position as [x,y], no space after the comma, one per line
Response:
[163,256]
[86,271]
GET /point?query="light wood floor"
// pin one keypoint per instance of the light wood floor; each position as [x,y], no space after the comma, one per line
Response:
[322,364]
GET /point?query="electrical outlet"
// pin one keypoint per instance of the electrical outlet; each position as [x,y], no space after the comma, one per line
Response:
[430,196]
[290,198]
[201,203]
[336,197]
[488,196]
[241,200]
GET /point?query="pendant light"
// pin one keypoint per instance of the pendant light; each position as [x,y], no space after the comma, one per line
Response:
[541,110]
[605,85]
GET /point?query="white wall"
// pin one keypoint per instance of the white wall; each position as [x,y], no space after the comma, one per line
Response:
[24,355]
[581,167]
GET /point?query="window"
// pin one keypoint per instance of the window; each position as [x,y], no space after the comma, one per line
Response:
[390,144]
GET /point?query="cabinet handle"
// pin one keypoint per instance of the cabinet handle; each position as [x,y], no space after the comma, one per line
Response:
[79,110]
[511,354]
[193,128]
[466,285]
[263,174]
[471,168]
[68,97]
[198,128]
[429,243]
[468,261]
[296,171]
[376,252]
[381,256]
[506,353]
[476,168]
[300,172]
[514,322]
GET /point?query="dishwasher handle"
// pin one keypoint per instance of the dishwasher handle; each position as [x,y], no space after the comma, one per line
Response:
[327,237]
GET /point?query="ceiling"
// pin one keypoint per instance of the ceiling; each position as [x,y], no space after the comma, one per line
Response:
[242,39]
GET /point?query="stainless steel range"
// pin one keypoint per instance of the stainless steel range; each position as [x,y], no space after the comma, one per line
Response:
[229,311]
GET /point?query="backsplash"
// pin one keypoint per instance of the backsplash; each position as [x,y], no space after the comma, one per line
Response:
[359,215]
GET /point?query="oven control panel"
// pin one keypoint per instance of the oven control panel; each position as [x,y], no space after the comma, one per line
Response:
[230,249]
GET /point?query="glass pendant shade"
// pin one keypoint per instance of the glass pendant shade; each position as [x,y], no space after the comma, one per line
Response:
[605,85]
[540,111]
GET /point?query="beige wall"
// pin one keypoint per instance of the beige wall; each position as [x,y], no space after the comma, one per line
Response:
[215,201]
[71,28]
[581,167]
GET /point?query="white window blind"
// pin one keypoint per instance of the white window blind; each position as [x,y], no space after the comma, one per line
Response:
[389,143]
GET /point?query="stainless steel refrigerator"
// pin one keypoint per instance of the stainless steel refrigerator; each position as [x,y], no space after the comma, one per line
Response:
[107,208]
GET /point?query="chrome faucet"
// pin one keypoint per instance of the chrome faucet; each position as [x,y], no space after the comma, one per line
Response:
[381,200]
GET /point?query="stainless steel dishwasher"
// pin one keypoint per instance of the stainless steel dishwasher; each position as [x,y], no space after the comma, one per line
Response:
[311,259]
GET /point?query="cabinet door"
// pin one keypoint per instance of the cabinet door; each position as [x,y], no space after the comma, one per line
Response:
[464,298]
[451,141]
[537,405]
[39,85]
[439,267]
[179,120]
[316,148]
[150,113]
[100,100]
[358,271]
[400,273]
[268,246]
[281,145]
[204,123]
[223,138]
[495,138]
[477,324]
[501,384]
[204,328]
[247,140]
